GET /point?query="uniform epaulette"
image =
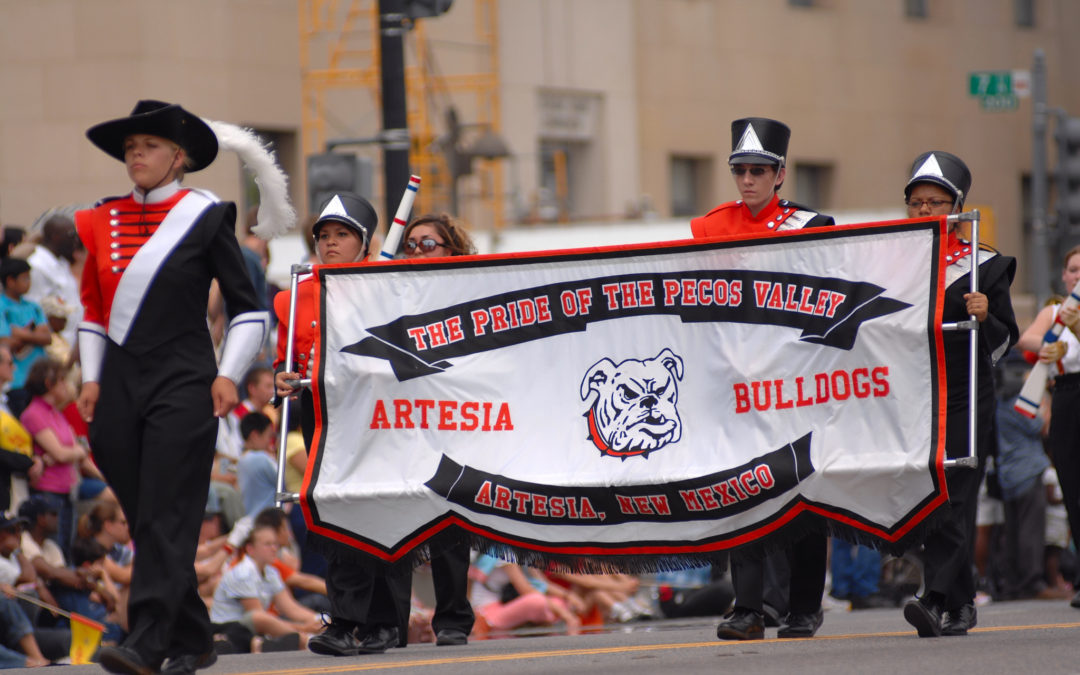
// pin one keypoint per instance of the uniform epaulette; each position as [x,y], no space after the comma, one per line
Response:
[107,200]
[788,204]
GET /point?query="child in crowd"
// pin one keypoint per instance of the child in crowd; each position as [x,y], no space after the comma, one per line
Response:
[99,602]
[250,588]
[256,472]
[26,323]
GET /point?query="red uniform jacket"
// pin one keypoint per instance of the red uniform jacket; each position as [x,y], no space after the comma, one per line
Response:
[778,214]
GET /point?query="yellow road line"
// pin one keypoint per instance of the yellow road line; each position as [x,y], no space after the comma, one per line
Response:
[420,663]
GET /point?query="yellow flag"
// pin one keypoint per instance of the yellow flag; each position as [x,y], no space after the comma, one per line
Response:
[85,637]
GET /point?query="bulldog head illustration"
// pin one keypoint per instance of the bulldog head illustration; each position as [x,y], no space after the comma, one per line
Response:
[634,409]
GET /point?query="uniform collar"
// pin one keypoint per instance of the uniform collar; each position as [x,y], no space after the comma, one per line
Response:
[156,195]
[956,249]
[766,213]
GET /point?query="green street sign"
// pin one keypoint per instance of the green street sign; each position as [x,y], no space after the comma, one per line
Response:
[990,83]
[999,89]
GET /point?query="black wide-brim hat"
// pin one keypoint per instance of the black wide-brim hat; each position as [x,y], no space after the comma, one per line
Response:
[352,211]
[759,140]
[157,118]
[941,168]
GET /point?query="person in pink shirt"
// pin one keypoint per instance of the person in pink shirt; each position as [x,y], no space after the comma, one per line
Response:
[55,442]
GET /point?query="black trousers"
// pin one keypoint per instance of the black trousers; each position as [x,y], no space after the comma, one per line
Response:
[806,558]
[153,438]
[450,577]
[363,593]
[1064,443]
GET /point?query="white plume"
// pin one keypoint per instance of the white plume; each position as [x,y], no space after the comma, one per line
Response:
[276,214]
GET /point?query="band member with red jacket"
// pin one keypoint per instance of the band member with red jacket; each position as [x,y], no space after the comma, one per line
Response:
[796,581]
[151,384]
[368,606]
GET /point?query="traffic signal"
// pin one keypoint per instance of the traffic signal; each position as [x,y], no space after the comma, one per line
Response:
[1067,134]
[331,172]
[423,9]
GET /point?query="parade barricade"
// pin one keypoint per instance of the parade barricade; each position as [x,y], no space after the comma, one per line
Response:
[640,405]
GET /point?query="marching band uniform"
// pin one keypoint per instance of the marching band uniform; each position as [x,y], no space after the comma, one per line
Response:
[947,606]
[735,217]
[761,141]
[369,608]
[144,339]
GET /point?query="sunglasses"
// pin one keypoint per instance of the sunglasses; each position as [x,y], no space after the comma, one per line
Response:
[754,171]
[427,245]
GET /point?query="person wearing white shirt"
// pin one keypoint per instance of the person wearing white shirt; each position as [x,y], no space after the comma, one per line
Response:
[50,270]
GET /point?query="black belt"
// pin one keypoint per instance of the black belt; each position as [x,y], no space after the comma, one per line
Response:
[1067,382]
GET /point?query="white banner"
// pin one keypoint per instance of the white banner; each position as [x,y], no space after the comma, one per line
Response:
[676,399]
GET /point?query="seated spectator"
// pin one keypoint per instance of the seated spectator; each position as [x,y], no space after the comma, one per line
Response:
[42,551]
[213,551]
[55,442]
[56,313]
[99,601]
[309,589]
[106,524]
[612,594]
[18,646]
[18,463]
[506,595]
[28,327]
[249,589]
[256,471]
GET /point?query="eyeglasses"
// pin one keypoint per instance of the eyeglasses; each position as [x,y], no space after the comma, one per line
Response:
[754,171]
[917,204]
[427,245]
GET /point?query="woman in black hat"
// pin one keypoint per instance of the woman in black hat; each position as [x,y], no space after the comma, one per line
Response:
[367,606]
[938,185]
[151,383]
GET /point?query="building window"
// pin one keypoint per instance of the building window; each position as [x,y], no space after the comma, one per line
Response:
[813,185]
[915,9]
[801,3]
[1025,13]
[688,188]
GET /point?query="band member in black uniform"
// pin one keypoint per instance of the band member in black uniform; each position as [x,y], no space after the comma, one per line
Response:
[938,186]
[758,153]
[151,384]
[435,236]
[369,608]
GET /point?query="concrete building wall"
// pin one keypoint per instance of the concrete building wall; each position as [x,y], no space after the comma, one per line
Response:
[68,64]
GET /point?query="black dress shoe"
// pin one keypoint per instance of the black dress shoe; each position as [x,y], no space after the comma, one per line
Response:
[958,621]
[801,625]
[339,639]
[379,640]
[187,664]
[926,618]
[1075,602]
[123,660]
[451,636]
[742,624]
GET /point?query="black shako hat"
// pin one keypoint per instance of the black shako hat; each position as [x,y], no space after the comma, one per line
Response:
[350,210]
[759,140]
[158,118]
[944,169]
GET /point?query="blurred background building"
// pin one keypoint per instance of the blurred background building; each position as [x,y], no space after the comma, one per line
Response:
[540,120]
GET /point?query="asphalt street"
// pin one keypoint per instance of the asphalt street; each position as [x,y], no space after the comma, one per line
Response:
[1026,637]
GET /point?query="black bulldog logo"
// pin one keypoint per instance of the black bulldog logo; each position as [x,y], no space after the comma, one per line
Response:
[634,408]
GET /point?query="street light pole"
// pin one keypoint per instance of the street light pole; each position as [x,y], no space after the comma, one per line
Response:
[395,133]
[1039,258]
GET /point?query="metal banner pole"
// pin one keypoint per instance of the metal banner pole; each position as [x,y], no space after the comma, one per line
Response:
[282,496]
[972,326]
